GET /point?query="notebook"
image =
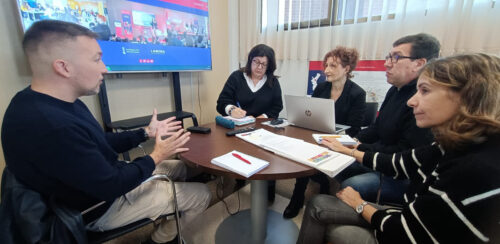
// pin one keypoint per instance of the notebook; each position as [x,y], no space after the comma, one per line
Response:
[238,165]
[313,113]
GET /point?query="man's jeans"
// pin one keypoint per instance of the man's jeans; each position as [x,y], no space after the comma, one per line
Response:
[367,182]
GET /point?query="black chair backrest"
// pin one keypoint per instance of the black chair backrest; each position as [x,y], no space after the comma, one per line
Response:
[28,217]
[371,113]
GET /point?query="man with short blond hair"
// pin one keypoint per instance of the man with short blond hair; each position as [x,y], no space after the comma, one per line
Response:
[54,145]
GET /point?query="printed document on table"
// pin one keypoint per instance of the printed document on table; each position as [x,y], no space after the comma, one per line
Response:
[232,163]
[303,151]
[329,162]
[321,158]
[262,137]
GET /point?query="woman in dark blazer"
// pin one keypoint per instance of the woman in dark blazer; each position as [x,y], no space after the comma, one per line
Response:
[350,107]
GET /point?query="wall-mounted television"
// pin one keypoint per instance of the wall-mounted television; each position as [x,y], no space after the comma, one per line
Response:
[136,35]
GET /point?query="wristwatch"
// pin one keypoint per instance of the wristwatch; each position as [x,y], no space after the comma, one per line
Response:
[146,135]
[361,207]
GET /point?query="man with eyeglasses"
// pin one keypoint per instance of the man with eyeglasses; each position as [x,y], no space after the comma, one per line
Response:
[395,129]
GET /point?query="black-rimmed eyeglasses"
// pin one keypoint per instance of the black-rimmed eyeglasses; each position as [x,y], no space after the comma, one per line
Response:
[395,58]
[257,64]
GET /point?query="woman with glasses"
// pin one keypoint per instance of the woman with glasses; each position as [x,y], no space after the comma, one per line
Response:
[254,91]
[454,193]
[350,107]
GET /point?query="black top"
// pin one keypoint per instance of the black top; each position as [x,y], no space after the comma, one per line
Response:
[267,100]
[395,129]
[454,196]
[57,147]
[350,107]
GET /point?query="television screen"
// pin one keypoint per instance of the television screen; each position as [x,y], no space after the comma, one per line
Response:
[136,35]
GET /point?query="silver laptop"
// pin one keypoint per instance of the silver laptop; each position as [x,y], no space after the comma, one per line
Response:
[313,113]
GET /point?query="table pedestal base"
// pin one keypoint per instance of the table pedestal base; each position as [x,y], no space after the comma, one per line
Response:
[237,229]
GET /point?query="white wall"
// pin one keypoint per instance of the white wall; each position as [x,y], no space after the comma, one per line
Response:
[134,94]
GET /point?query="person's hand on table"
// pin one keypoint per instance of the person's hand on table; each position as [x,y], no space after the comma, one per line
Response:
[335,145]
[238,113]
[352,151]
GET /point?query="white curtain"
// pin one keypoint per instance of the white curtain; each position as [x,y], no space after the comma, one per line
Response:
[460,26]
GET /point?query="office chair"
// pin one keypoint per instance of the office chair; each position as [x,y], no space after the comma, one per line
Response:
[370,114]
[28,216]
[370,117]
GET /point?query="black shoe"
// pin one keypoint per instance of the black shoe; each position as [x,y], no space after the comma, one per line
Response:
[239,184]
[201,178]
[292,209]
[324,189]
[271,193]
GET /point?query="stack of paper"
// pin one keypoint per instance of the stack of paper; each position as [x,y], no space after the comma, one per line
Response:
[344,139]
[327,161]
[241,121]
[240,163]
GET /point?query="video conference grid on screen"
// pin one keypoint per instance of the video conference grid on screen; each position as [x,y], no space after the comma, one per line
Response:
[136,35]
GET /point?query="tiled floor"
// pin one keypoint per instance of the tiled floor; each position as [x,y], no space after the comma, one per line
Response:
[203,229]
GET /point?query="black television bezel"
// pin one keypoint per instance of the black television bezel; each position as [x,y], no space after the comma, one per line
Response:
[21,26]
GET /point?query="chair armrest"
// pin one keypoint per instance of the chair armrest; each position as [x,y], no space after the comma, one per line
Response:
[158,177]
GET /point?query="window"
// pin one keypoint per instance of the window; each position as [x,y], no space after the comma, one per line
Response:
[295,14]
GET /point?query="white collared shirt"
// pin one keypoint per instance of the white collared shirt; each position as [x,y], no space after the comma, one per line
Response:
[260,84]
[253,88]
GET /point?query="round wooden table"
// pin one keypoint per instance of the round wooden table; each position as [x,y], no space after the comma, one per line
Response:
[204,147]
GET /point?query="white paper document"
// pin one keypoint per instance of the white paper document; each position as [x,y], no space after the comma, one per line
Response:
[262,138]
[321,158]
[240,163]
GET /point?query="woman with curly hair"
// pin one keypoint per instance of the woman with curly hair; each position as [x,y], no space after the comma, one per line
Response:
[350,107]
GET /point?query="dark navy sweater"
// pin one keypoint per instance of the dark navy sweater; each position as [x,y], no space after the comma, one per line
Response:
[395,129]
[57,147]
[267,100]
[350,107]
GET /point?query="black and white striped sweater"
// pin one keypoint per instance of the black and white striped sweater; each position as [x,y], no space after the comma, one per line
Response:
[454,197]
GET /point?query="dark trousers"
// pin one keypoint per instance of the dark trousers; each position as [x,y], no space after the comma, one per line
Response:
[327,218]
[301,185]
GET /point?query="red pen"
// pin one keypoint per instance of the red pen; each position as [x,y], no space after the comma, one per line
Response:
[241,158]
